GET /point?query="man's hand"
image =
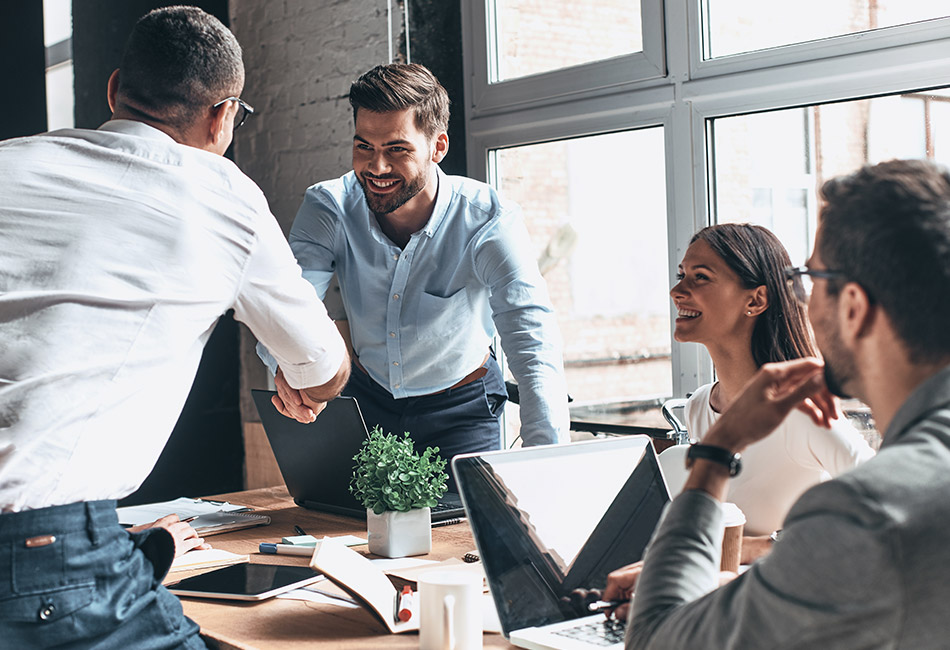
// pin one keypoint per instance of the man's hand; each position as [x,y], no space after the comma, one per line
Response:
[186,538]
[768,398]
[620,586]
[305,404]
[289,401]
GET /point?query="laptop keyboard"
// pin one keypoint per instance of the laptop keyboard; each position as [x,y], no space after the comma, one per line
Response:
[602,633]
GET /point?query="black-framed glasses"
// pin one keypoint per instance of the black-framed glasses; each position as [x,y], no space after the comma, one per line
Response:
[244,109]
[799,280]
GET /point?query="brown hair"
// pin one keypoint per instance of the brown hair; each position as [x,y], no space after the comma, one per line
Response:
[757,256]
[398,86]
[887,227]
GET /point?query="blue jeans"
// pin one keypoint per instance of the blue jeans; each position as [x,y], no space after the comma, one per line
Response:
[457,421]
[70,576]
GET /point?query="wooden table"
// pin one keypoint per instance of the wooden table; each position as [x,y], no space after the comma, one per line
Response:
[284,623]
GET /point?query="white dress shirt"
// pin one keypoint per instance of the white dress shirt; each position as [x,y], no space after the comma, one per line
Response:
[119,250]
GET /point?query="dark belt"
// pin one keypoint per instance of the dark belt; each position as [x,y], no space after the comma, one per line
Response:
[475,375]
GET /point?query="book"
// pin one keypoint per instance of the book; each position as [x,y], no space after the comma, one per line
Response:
[201,559]
[212,517]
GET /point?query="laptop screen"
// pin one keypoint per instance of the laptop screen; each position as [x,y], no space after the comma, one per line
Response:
[550,519]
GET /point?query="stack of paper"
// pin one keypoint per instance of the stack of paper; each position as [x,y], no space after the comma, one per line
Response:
[206,558]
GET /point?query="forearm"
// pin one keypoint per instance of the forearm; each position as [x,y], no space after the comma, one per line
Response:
[531,341]
[680,565]
[332,388]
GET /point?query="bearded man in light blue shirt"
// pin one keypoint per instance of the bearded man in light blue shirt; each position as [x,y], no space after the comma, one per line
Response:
[430,266]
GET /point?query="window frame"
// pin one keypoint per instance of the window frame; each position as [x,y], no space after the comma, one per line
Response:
[683,95]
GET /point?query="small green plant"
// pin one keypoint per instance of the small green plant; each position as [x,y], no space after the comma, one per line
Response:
[390,475]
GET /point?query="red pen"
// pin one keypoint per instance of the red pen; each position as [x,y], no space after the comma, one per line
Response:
[404,610]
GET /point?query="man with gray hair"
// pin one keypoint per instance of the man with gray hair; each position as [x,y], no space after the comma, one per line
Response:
[119,250]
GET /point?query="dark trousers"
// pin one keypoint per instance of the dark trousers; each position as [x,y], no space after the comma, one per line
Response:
[70,576]
[457,421]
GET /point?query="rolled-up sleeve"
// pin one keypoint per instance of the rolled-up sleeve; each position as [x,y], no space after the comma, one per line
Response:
[283,311]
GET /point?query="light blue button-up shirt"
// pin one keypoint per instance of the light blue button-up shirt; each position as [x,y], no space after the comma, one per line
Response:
[421,318]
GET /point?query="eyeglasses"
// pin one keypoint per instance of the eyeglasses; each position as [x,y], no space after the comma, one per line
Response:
[244,109]
[799,280]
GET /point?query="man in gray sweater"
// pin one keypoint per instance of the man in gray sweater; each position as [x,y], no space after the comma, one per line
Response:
[863,560]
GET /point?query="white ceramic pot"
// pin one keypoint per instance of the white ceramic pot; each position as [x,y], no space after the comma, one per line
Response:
[399,534]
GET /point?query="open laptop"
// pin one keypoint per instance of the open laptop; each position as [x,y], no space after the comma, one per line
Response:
[538,540]
[316,459]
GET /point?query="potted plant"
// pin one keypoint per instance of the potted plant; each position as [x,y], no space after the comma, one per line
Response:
[397,487]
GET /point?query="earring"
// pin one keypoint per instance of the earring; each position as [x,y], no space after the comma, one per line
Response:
[749,313]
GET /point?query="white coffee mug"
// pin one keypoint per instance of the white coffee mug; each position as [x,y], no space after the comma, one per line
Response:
[450,605]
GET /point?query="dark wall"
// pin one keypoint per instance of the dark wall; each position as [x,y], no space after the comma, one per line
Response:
[23,76]
[435,41]
[205,454]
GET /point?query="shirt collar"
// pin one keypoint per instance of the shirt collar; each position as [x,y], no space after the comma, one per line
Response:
[443,198]
[934,393]
[134,127]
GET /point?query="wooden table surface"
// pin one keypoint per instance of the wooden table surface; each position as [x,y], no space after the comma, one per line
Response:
[285,623]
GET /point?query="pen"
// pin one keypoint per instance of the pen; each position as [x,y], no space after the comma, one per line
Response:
[299,530]
[285,549]
[601,605]
[188,520]
[448,522]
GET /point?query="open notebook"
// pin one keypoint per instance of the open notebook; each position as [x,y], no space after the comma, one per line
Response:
[539,539]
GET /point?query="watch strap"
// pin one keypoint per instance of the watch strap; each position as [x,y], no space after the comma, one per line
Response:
[720,455]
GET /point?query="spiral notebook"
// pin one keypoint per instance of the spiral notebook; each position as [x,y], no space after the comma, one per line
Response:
[212,517]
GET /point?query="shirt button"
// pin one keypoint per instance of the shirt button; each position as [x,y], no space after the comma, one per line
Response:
[396,256]
[395,363]
[395,296]
[392,335]
[396,386]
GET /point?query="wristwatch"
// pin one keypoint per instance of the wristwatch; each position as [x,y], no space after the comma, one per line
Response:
[731,460]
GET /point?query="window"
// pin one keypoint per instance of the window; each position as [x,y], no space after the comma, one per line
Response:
[735,26]
[58,36]
[745,107]
[533,36]
[600,235]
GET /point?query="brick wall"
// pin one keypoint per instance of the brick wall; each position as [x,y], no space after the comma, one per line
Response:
[300,57]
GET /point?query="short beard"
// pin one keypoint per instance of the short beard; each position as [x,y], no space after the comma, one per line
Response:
[839,365]
[833,383]
[391,203]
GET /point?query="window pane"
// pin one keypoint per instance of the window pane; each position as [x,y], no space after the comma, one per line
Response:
[596,211]
[533,36]
[767,167]
[734,26]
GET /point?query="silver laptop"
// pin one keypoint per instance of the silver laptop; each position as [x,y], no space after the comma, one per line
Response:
[316,459]
[539,538]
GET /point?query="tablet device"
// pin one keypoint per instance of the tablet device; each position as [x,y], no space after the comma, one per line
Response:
[245,582]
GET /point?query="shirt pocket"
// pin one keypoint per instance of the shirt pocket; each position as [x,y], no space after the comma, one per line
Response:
[443,318]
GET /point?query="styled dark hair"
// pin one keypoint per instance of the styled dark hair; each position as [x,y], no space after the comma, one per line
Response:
[757,256]
[398,86]
[887,227]
[178,62]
